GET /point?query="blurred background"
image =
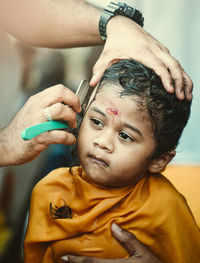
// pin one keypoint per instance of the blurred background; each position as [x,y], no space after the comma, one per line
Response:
[26,70]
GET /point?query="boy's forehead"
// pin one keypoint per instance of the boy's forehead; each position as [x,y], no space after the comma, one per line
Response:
[109,92]
[112,91]
[101,89]
[110,95]
[110,86]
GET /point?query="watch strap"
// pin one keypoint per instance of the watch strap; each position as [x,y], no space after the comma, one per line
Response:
[118,9]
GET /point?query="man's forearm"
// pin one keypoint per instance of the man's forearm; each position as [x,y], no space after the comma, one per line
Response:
[4,152]
[51,23]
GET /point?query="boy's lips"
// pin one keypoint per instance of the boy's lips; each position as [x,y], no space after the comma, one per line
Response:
[98,160]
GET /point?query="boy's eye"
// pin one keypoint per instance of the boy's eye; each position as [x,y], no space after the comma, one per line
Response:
[96,122]
[125,137]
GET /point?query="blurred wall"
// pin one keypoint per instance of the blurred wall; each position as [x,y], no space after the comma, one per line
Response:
[176,24]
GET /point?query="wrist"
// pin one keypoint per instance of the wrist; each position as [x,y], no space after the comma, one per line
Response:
[120,25]
[118,9]
[10,147]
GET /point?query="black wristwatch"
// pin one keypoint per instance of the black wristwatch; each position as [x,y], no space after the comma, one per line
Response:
[119,8]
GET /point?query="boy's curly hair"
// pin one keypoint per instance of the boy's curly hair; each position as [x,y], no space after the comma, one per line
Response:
[169,115]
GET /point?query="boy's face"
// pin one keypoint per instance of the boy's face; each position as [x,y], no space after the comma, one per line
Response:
[115,141]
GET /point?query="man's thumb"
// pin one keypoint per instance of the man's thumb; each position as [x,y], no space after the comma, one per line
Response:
[127,240]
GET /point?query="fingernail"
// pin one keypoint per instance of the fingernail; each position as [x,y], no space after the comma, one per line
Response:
[190,96]
[171,89]
[182,95]
[65,258]
[93,81]
[115,227]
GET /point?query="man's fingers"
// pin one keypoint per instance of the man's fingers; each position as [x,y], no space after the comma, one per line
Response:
[100,66]
[55,137]
[60,94]
[177,76]
[95,79]
[176,73]
[167,81]
[106,59]
[127,240]
[84,259]
[138,252]
[59,111]
[79,259]
[188,86]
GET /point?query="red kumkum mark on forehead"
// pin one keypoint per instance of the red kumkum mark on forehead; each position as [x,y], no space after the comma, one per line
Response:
[112,111]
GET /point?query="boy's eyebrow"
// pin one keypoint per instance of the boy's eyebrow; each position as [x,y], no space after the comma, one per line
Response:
[133,129]
[125,124]
[98,111]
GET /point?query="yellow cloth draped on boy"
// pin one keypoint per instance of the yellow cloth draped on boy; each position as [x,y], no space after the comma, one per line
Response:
[153,211]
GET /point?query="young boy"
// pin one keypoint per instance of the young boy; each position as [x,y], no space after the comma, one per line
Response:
[127,137]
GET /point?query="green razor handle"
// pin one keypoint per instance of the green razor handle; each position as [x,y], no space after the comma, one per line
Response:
[31,132]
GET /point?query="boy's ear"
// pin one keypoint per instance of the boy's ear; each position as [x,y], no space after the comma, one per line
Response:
[159,164]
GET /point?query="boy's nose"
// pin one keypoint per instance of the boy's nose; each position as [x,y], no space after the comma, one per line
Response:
[105,141]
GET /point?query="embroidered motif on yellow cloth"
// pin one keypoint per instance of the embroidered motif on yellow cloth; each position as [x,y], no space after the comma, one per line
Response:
[63,211]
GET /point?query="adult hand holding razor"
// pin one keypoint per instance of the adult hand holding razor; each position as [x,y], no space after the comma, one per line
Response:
[55,103]
[77,28]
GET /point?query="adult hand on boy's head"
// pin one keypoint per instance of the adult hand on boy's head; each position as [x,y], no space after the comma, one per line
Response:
[62,104]
[138,252]
[126,39]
